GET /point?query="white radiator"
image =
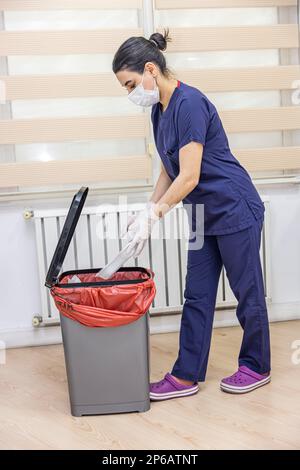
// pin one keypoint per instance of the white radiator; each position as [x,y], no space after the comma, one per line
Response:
[166,257]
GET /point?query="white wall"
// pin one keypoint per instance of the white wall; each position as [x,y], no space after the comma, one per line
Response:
[20,285]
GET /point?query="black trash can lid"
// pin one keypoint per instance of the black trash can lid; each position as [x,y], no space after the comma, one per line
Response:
[66,236]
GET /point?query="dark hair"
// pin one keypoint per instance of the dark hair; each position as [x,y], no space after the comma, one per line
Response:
[137,50]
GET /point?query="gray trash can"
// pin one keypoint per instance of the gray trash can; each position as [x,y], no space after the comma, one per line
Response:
[107,367]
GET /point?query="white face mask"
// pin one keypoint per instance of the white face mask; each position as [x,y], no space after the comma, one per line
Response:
[143,97]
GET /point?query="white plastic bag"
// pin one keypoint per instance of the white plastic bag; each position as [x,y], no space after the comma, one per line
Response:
[74,278]
[113,266]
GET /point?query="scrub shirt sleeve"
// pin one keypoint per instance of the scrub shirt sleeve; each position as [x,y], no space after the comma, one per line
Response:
[192,121]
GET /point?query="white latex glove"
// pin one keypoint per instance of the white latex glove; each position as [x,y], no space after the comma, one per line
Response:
[141,228]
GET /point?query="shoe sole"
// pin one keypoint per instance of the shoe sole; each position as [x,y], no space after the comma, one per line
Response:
[166,396]
[248,388]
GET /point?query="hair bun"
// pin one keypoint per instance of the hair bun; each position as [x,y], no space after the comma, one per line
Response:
[160,40]
[154,42]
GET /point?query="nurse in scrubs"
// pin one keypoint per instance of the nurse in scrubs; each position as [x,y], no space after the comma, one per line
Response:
[198,168]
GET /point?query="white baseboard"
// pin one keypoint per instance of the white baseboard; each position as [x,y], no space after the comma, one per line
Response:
[24,337]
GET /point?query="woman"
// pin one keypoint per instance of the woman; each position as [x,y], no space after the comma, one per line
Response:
[199,168]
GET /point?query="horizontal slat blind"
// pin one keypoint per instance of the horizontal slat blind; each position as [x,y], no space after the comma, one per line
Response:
[63,42]
[174,4]
[106,40]
[266,159]
[242,79]
[222,38]
[73,172]
[42,132]
[206,38]
[21,131]
[24,131]
[61,86]
[102,84]
[240,39]
[15,5]
[258,120]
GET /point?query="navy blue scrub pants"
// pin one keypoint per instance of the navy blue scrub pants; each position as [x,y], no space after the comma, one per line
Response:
[239,253]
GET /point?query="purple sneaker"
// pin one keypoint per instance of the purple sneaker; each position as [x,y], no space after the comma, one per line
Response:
[169,387]
[243,381]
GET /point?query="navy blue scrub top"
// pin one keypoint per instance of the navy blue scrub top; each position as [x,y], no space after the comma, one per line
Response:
[231,201]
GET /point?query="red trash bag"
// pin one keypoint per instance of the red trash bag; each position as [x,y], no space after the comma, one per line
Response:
[109,304]
[95,302]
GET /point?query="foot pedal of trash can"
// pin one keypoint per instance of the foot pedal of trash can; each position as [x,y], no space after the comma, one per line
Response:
[139,407]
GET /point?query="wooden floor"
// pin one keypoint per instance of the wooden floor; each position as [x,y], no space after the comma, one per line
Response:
[34,407]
